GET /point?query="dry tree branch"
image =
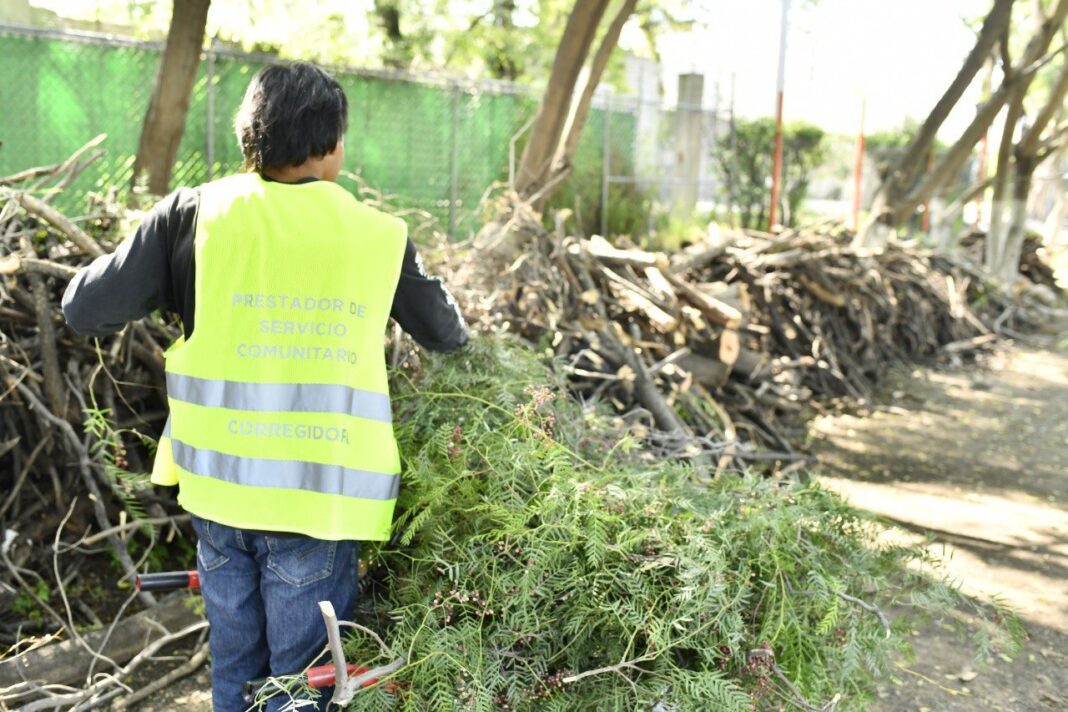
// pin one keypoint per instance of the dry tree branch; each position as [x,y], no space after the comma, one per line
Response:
[617,668]
[60,222]
[101,686]
[869,608]
[87,478]
[121,530]
[187,668]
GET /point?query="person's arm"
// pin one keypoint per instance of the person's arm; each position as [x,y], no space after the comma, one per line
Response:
[134,280]
[424,307]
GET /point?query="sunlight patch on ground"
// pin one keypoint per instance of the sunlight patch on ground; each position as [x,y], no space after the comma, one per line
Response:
[993,546]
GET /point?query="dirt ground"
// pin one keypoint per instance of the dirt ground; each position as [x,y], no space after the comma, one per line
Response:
[977,458]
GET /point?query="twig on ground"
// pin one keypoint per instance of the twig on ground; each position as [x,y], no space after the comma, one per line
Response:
[187,668]
[101,686]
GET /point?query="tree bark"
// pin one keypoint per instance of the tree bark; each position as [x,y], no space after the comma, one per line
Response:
[165,119]
[579,32]
[1005,260]
[904,170]
[1007,266]
[998,232]
[1055,219]
[566,152]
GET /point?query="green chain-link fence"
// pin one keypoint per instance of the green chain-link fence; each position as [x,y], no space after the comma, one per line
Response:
[434,143]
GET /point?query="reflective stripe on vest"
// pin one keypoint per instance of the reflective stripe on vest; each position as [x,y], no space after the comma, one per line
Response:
[307,397]
[286,474]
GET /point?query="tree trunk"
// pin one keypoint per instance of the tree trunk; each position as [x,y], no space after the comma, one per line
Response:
[1055,221]
[997,235]
[533,170]
[165,119]
[904,171]
[892,213]
[1003,255]
[1007,268]
[566,152]
[914,158]
[68,662]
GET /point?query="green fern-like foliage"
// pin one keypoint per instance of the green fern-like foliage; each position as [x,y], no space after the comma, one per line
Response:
[108,450]
[537,564]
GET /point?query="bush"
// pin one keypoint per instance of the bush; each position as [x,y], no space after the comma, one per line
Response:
[745,164]
[543,562]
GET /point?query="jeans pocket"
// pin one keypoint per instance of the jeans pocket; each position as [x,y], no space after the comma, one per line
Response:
[209,554]
[300,560]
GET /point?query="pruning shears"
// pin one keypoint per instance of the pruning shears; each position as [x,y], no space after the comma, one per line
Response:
[315,677]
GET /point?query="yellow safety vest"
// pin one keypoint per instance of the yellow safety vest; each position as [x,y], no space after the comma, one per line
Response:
[279,403]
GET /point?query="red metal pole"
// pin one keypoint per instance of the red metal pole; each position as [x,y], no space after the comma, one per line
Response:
[776,167]
[858,168]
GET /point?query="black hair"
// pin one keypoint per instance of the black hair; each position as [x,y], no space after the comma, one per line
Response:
[291,112]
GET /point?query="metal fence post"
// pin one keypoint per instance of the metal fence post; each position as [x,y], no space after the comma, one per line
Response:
[209,111]
[606,163]
[454,158]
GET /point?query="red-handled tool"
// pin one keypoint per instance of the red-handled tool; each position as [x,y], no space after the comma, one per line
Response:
[168,581]
[316,677]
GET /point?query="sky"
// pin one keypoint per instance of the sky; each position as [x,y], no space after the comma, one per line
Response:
[900,54]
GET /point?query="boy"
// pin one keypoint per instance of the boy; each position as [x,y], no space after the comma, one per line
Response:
[279,435]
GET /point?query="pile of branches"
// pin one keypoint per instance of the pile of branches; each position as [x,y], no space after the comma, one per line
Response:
[1034,258]
[78,419]
[717,342]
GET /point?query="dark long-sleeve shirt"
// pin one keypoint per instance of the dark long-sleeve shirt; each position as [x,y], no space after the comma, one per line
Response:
[154,269]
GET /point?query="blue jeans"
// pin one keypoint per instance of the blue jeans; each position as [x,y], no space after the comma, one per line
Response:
[261,591]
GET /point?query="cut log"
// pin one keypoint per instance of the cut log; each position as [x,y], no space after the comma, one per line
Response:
[718,312]
[730,293]
[729,346]
[821,292]
[634,298]
[645,389]
[708,371]
[61,223]
[751,364]
[13,263]
[660,285]
[605,252]
[704,253]
[69,662]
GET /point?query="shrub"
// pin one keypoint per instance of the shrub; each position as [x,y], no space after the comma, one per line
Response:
[744,163]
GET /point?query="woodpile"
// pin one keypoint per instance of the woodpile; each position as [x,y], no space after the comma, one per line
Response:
[1034,264]
[53,383]
[718,342]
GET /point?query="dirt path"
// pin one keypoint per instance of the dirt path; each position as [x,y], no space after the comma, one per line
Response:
[979,460]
